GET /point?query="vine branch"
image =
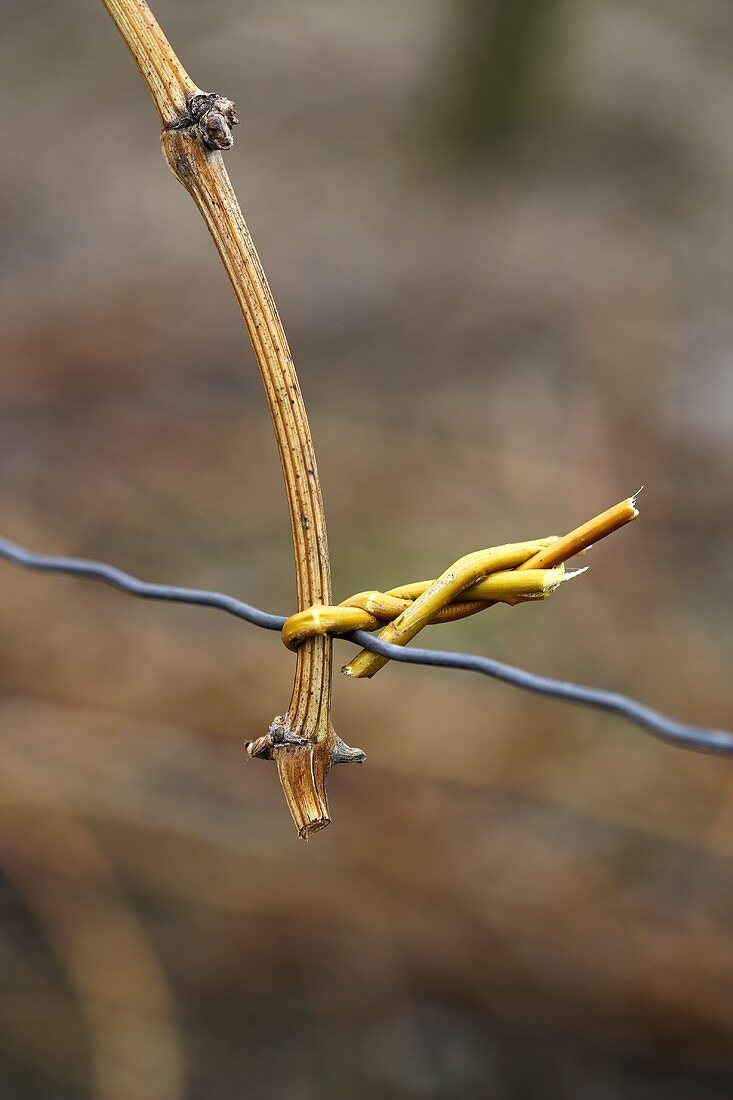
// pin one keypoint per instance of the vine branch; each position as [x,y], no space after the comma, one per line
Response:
[197,125]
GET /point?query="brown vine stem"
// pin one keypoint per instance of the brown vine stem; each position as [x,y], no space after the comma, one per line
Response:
[196,127]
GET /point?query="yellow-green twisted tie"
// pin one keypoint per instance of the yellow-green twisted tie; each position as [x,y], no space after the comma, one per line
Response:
[470,585]
[510,574]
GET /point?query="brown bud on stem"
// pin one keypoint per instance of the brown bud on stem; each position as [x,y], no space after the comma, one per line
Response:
[211,116]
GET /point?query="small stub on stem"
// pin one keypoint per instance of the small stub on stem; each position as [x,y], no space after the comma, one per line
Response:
[279,735]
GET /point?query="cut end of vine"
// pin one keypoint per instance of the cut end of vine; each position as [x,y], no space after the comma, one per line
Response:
[302,767]
[302,773]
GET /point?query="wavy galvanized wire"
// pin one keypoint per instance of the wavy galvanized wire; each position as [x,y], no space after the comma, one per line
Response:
[653,721]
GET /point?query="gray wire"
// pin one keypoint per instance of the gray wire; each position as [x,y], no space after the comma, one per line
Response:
[669,730]
[100,571]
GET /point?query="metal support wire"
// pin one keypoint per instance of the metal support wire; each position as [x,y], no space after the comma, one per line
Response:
[669,730]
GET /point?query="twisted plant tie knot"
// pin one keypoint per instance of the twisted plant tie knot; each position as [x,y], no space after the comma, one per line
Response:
[513,573]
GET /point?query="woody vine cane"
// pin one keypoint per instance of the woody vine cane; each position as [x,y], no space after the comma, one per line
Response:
[197,126]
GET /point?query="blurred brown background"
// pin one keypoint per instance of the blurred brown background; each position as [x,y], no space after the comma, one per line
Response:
[499,234]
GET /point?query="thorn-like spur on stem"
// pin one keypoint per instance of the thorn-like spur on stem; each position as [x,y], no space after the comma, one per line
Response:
[449,587]
[197,125]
